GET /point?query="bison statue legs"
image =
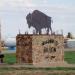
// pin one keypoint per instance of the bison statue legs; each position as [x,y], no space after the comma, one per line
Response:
[38,31]
[48,30]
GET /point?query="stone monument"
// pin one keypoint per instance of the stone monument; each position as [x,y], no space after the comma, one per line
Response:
[39,49]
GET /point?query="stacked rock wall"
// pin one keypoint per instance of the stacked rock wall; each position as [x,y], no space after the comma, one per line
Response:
[38,49]
[24,49]
[47,48]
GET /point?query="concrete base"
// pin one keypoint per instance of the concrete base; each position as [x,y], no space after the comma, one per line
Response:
[51,64]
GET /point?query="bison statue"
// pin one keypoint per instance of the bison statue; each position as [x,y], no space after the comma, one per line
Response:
[39,20]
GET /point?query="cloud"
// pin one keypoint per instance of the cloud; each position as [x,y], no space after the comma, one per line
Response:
[14,3]
[22,4]
[10,10]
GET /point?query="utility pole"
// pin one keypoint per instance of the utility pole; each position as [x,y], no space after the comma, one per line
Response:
[0,37]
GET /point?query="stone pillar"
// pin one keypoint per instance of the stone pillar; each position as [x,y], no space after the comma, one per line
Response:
[24,48]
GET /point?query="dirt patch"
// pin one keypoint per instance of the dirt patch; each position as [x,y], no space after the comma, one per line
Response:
[39,72]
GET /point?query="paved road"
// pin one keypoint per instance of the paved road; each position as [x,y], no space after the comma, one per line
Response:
[33,66]
[8,51]
[69,49]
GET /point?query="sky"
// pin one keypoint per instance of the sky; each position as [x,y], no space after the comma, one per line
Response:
[13,15]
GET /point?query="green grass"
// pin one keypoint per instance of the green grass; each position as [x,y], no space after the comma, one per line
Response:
[2,69]
[10,58]
[69,56]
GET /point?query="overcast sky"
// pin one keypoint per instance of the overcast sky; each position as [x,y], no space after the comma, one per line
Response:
[13,15]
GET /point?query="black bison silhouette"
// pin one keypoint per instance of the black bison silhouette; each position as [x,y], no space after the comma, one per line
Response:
[39,20]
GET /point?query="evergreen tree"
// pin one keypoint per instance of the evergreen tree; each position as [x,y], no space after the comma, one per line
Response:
[69,35]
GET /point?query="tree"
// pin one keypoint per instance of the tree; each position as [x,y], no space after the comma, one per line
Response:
[69,35]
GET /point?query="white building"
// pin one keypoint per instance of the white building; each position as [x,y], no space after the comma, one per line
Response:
[71,43]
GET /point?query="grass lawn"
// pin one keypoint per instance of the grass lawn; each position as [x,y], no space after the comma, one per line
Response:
[10,58]
[69,56]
